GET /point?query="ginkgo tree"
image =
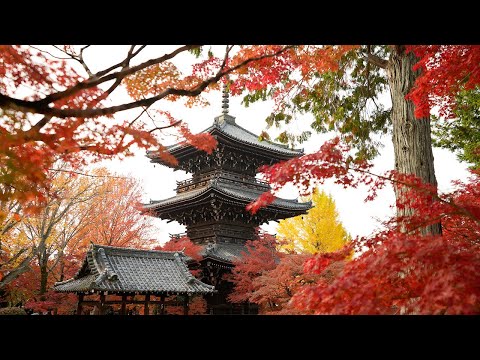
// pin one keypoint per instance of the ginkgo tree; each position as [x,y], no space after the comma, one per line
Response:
[317,231]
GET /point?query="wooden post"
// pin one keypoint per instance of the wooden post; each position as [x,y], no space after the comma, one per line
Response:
[123,311]
[80,303]
[185,305]
[147,299]
[162,305]
[102,303]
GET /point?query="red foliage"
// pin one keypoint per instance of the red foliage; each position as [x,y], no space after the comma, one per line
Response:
[397,270]
[182,244]
[446,69]
[270,278]
[275,287]
[260,257]
[276,72]
[330,161]
[197,306]
[405,272]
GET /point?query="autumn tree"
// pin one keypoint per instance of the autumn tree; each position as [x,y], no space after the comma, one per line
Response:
[405,272]
[183,244]
[36,236]
[98,207]
[260,256]
[270,278]
[53,106]
[344,95]
[114,217]
[318,231]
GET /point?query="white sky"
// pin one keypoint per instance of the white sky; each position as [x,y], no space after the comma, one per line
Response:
[358,217]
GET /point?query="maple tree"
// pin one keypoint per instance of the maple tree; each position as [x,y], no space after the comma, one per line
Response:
[405,272]
[446,70]
[317,231]
[54,107]
[270,278]
[183,244]
[260,256]
[399,270]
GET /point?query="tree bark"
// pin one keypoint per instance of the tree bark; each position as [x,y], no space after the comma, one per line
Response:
[412,141]
[43,272]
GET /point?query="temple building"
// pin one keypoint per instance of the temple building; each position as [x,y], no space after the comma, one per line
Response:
[120,276]
[211,204]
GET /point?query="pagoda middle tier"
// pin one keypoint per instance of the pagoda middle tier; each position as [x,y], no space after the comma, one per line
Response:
[212,203]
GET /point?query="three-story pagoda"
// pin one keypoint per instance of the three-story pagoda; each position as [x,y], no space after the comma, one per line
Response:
[211,204]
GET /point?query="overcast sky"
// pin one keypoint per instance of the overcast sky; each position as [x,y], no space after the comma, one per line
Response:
[358,217]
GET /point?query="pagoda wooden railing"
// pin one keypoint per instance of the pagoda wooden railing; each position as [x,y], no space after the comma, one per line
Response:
[203,180]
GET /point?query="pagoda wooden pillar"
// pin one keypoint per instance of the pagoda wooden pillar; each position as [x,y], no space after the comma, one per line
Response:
[80,304]
[123,310]
[102,304]
[162,305]
[185,305]
[146,311]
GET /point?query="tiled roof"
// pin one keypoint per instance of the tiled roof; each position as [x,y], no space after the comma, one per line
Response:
[229,189]
[226,252]
[232,130]
[114,269]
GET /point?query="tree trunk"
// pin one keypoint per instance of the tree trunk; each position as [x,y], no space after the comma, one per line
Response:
[412,141]
[43,272]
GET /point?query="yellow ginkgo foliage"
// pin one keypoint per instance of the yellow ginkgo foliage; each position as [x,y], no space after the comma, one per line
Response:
[318,231]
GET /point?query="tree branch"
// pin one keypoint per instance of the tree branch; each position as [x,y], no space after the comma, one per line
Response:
[377,60]
[39,107]
[97,80]
[83,174]
[166,126]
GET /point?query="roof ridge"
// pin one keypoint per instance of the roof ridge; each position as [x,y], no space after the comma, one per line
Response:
[109,247]
[259,145]
[63,282]
[269,141]
[188,275]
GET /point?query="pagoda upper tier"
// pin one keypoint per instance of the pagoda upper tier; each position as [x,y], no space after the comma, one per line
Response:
[238,150]
[212,204]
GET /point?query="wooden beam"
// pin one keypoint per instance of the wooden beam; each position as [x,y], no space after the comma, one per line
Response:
[119,302]
[147,310]
[123,310]
[79,305]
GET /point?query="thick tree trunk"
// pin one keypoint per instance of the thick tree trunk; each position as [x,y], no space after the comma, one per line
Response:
[411,137]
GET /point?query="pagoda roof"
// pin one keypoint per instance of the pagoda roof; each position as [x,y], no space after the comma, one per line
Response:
[226,127]
[234,191]
[224,252]
[125,270]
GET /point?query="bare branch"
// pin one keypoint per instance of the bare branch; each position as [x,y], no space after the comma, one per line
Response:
[113,67]
[49,53]
[83,174]
[166,126]
[78,58]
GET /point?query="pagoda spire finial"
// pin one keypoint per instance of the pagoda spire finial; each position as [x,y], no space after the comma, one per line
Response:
[225,96]
[225,117]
